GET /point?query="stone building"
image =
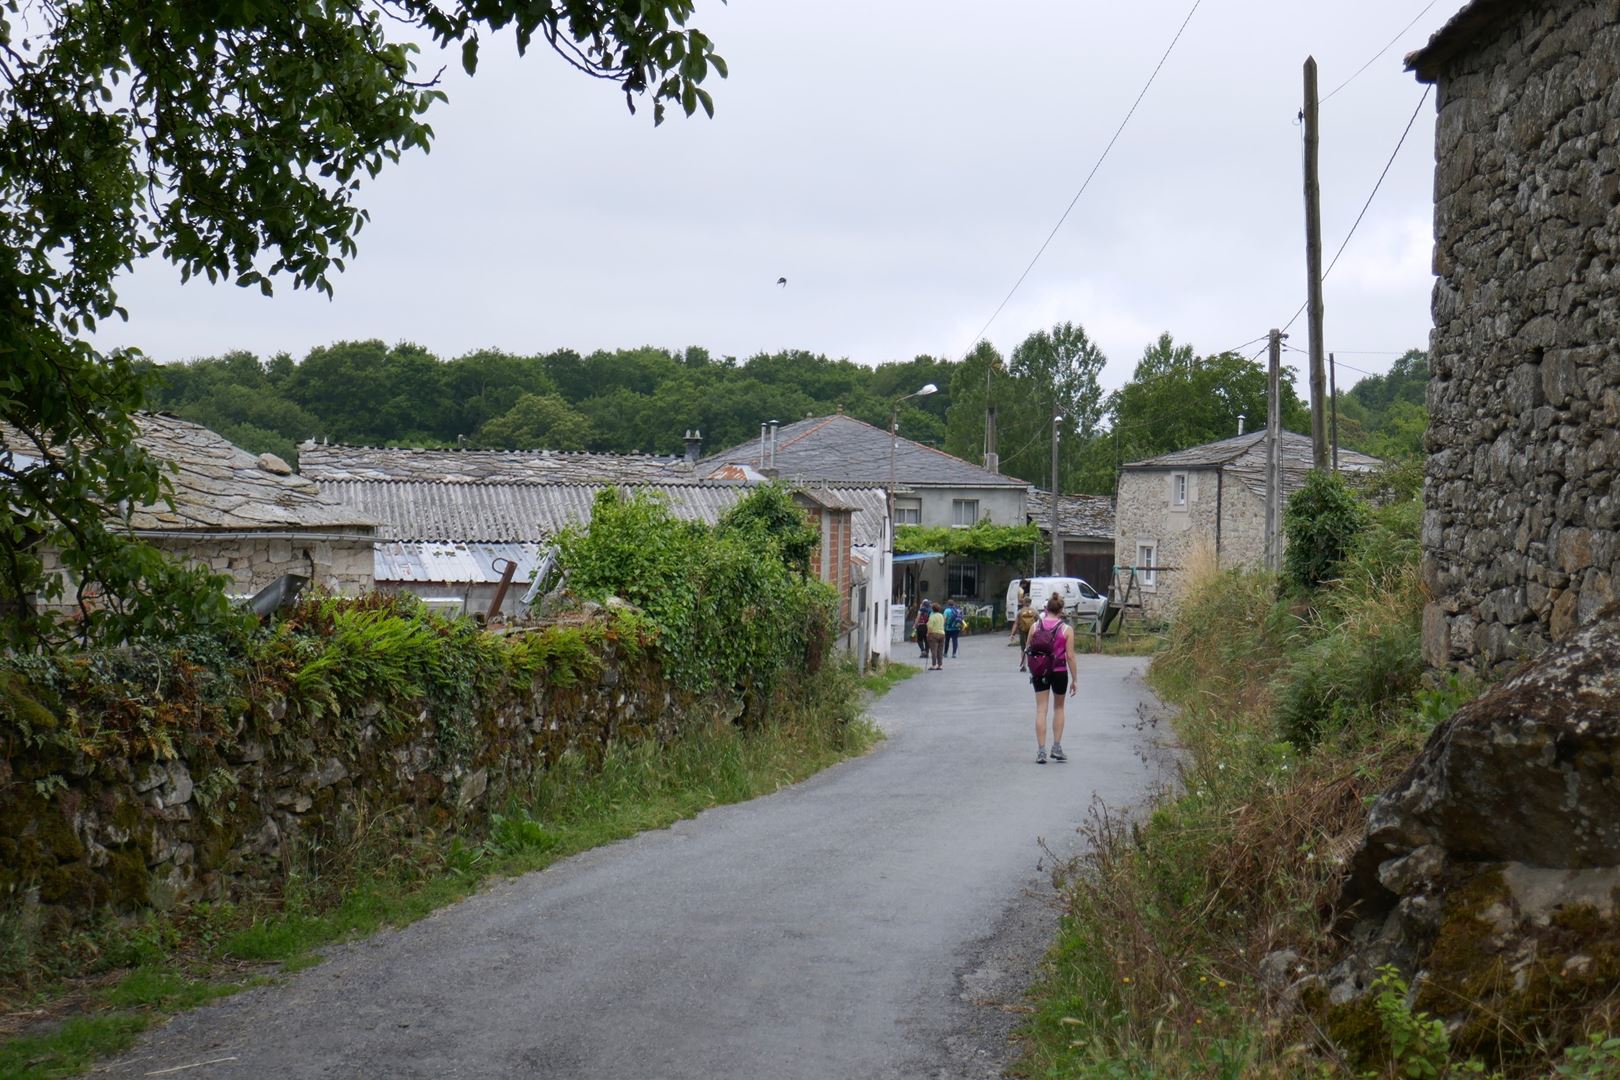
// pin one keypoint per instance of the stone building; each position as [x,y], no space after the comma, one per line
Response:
[247,516]
[451,519]
[1521,530]
[1085,531]
[1204,506]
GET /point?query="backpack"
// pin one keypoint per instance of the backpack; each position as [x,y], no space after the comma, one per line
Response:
[1043,643]
[953,619]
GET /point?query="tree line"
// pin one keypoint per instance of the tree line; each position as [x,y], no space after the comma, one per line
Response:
[645,399]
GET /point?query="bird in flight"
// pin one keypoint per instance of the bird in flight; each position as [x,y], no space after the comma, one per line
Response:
[781,281]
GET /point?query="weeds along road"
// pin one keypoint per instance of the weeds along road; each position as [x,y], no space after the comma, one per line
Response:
[863,924]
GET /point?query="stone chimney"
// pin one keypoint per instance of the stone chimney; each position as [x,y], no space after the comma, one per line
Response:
[694,446]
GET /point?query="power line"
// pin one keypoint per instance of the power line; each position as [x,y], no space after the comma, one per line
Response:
[1341,363]
[1381,52]
[1087,183]
[1371,195]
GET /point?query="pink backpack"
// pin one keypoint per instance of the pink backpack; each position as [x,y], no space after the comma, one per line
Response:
[1044,641]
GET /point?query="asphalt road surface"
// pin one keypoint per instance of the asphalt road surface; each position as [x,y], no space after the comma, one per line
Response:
[877,921]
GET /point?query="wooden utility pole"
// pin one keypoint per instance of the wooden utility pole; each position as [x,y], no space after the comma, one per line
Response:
[1333,397]
[1273,451]
[1313,269]
[1057,541]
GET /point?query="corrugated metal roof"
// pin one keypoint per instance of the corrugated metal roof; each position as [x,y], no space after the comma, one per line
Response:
[417,562]
[841,449]
[507,513]
[1080,517]
[493,513]
[326,462]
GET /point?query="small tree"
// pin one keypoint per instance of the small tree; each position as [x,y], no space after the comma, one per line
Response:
[1322,521]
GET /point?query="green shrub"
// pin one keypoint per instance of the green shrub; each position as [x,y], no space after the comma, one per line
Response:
[1322,521]
[727,611]
[1345,676]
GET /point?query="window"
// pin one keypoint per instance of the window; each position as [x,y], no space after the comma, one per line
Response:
[1146,553]
[962,579]
[1178,490]
[908,512]
[964,512]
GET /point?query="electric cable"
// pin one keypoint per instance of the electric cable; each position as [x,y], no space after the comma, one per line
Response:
[1380,52]
[1373,194]
[1087,183]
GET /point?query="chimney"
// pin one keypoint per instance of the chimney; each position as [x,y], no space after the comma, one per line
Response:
[1240,423]
[694,446]
[774,426]
[762,427]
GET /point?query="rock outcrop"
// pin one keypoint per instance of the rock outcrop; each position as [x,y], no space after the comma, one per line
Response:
[1491,869]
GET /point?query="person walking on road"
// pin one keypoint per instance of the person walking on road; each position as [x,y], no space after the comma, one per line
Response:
[936,640]
[953,628]
[921,627]
[1021,624]
[1051,660]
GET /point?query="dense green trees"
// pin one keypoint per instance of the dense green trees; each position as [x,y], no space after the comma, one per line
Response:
[645,399]
[1387,415]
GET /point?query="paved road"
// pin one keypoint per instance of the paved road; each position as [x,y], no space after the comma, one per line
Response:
[843,928]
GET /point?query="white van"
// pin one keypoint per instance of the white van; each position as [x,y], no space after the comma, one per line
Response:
[1080,600]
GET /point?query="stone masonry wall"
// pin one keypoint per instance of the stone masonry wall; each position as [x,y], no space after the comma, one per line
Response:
[1522,528]
[337,564]
[81,833]
[1144,514]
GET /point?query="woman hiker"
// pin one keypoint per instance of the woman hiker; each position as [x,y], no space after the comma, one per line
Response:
[1021,624]
[1051,660]
[921,627]
[936,640]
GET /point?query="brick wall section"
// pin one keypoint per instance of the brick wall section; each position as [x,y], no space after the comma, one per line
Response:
[829,561]
[1520,532]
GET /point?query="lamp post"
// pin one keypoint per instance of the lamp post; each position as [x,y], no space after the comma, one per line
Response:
[894,440]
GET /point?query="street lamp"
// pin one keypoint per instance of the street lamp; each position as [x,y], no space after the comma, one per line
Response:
[894,440]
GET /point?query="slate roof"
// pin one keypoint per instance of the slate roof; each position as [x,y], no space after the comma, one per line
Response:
[840,449]
[1244,457]
[219,487]
[497,512]
[323,462]
[1462,30]
[1080,517]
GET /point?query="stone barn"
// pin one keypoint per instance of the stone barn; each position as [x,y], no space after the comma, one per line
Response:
[1205,506]
[1521,530]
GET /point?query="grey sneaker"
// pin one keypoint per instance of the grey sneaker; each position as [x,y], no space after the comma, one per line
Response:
[1057,752]
[1040,756]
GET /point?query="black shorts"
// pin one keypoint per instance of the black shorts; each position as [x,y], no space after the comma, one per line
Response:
[1057,681]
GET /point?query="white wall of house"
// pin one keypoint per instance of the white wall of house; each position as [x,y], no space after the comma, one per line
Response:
[962,506]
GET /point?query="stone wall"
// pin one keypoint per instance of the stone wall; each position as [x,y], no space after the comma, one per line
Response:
[1522,528]
[225,816]
[334,560]
[1144,514]
[338,565]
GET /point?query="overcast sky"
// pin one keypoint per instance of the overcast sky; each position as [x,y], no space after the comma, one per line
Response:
[899,163]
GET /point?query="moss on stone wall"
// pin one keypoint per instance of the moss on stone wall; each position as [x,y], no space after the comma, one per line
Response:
[143,776]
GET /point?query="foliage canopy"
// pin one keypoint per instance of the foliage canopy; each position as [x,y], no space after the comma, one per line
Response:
[728,612]
[231,140]
[983,540]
